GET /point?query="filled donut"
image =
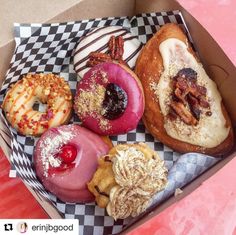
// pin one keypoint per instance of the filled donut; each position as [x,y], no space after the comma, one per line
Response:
[65,160]
[109,99]
[48,89]
[184,108]
[106,43]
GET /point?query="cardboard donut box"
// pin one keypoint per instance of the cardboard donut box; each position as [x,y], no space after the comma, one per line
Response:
[216,63]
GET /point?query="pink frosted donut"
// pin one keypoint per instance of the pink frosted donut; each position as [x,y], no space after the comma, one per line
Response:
[109,99]
[65,160]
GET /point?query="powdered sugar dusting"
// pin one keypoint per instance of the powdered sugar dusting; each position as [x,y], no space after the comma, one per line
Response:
[50,146]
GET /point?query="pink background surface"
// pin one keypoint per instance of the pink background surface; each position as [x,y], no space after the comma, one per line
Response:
[211,208]
[218,17]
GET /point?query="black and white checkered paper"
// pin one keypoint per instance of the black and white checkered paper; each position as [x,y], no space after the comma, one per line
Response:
[49,48]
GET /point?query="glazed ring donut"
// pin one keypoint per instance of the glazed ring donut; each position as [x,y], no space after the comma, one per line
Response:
[65,159]
[109,99]
[97,40]
[48,89]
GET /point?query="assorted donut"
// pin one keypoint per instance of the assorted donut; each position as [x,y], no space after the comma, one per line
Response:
[65,159]
[106,44]
[48,89]
[109,99]
[169,90]
[189,112]
[133,174]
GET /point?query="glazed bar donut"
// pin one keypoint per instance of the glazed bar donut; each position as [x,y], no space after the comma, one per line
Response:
[97,41]
[48,89]
[184,108]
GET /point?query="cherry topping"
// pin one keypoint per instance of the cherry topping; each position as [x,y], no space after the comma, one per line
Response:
[67,153]
[115,102]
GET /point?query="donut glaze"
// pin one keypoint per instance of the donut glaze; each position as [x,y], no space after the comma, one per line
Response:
[90,96]
[68,181]
[97,40]
[49,89]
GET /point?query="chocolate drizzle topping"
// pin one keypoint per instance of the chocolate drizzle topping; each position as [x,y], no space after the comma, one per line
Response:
[96,39]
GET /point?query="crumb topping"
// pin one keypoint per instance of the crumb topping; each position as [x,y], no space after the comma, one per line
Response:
[89,101]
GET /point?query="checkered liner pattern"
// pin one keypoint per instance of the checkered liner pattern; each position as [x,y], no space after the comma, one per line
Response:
[49,48]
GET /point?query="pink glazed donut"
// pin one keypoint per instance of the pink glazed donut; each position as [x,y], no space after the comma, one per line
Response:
[66,158]
[109,99]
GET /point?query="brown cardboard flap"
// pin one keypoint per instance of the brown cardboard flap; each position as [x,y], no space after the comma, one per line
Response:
[27,11]
[87,9]
[155,6]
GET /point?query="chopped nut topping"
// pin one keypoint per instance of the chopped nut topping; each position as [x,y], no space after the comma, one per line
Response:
[116,51]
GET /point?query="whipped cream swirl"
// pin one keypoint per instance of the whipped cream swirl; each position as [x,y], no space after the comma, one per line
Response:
[125,202]
[139,176]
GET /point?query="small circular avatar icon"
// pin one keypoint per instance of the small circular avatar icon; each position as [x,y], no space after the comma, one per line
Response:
[22,227]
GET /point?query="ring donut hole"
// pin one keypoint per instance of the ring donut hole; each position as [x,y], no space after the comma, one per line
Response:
[40,106]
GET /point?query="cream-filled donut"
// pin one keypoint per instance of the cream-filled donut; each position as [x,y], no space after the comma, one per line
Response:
[65,160]
[97,41]
[109,99]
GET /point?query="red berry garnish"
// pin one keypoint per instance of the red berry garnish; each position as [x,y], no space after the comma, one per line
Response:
[67,153]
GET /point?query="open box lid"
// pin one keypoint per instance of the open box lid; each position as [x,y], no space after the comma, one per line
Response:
[219,66]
